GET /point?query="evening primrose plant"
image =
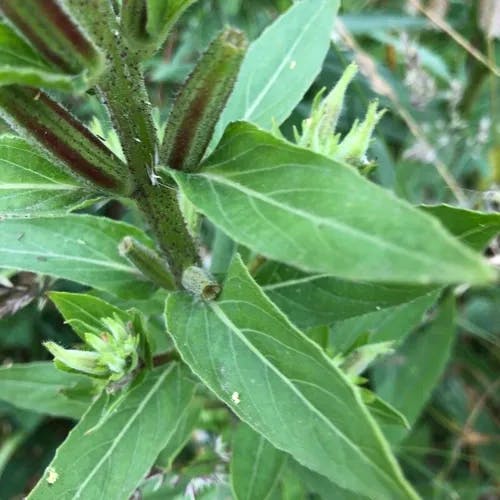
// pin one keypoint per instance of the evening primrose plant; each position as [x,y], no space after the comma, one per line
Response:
[215,313]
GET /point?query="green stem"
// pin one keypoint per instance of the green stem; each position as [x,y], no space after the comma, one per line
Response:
[123,91]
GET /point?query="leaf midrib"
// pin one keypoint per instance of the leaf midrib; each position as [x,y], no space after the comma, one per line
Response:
[258,99]
[121,434]
[229,324]
[332,223]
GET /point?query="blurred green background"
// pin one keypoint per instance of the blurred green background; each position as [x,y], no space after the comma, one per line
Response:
[438,142]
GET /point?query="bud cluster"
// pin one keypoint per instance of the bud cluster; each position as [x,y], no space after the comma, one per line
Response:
[111,355]
[318,131]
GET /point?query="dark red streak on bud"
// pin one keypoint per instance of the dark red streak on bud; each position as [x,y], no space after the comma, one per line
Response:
[60,133]
[65,115]
[32,36]
[59,18]
[71,157]
[187,131]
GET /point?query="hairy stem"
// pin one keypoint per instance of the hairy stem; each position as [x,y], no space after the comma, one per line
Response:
[123,91]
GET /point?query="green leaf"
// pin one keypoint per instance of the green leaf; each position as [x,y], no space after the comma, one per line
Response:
[161,16]
[383,412]
[389,325]
[318,299]
[272,82]
[19,63]
[177,441]
[475,229]
[81,248]
[32,186]
[295,206]
[278,381]
[316,483]
[84,312]
[406,380]
[39,387]
[255,465]
[127,443]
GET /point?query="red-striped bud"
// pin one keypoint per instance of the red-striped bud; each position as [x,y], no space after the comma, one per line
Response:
[36,116]
[50,29]
[201,100]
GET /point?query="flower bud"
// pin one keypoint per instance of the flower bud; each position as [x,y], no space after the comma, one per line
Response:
[86,362]
[200,102]
[50,29]
[200,283]
[318,131]
[113,354]
[353,147]
[148,262]
[37,117]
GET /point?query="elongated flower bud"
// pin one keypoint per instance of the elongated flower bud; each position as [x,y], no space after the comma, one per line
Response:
[200,102]
[200,283]
[148,262]
[54,34]
[36,116]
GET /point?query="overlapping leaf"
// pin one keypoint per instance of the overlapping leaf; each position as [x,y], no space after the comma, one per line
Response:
[418,365]
[281,383]
[318,299]
[21,64]
[255,465]
[81,248]
[40,387]
[298,207]
[475,229]
[125,443]
[32,186]
[272,82]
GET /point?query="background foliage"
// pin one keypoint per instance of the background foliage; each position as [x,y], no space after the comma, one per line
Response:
[442,123]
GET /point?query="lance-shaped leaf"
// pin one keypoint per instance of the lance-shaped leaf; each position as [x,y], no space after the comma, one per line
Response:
[475,229]
[20,63]
[127,441]
[279,382]
[36,116]
[32,186]
[281,65]
[319,299]
[177,441]
[392,324]
[320,485]
[55,35]
[84,312]
[41,387]
[255,465]
[298,207]
[201,100]
[81,248]
[406,380]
